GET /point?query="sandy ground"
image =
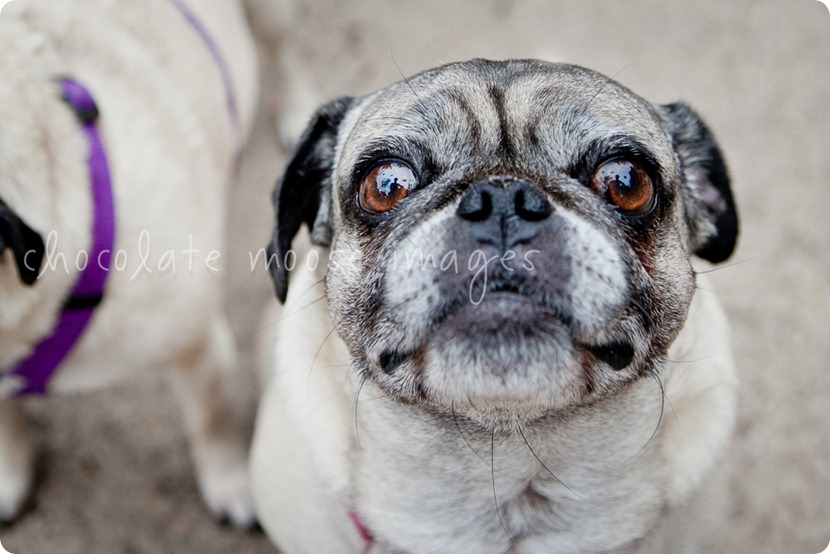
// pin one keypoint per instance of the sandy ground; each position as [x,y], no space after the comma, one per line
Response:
[114,476]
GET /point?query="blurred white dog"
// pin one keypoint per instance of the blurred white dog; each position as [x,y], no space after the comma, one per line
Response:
[120,129]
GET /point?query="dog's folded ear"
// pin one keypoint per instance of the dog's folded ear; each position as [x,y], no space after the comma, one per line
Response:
[25,243]
[304,192]
[707,196]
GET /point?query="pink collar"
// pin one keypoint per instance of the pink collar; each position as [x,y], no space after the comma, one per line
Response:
[368,538]
[365,535]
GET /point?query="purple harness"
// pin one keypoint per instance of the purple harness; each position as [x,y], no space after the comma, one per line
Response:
[224,70]
[35,371]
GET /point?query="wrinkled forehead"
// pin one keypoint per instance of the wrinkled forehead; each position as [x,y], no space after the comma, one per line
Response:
[493,109]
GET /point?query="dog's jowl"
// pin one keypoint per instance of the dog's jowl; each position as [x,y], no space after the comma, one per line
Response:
[510,313]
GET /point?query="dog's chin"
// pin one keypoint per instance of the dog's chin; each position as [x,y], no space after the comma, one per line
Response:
[504,358]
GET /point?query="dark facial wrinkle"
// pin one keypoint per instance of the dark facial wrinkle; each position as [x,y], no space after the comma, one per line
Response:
[473,123]
[506,146]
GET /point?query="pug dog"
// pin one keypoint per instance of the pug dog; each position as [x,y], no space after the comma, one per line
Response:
[120,126]
[493,338]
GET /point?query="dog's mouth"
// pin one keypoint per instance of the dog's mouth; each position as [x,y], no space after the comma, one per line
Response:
[502,314]
[505,308]
[505,299]
[507,346]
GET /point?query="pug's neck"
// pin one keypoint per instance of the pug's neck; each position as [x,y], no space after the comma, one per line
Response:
[591,480]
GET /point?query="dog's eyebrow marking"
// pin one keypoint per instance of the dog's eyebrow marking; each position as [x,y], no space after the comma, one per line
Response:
[475,126]
[505,141]
[545,100]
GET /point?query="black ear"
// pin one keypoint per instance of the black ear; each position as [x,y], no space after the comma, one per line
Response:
[710,207]
[304,192]
[25,243]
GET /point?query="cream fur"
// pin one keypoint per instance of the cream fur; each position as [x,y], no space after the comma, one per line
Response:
[171,147]
[318,452]
[444,428]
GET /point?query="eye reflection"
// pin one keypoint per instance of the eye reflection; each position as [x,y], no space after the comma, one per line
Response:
[626,185]
[385,186]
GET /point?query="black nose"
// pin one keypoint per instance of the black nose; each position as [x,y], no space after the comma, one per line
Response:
[504,212]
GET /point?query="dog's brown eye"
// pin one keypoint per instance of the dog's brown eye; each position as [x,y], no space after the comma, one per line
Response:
[385,185]
[627,186]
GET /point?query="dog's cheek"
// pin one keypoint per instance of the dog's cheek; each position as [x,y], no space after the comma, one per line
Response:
[344,290]
[412,276]
[598,286]
[670,286]
[676,291]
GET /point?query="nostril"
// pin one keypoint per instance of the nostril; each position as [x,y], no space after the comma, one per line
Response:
[531,204]
[484,199]
[476,205]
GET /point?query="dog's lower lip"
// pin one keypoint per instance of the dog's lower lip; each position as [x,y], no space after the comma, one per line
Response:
[493,303]
[506,297]
[496,313]
[493,309]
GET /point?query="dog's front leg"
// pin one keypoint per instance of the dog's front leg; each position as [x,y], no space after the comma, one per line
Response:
[217,424]
[16,459]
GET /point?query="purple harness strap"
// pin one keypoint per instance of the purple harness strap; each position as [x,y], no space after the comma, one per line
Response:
[224,70]
[78,310]
[36,370]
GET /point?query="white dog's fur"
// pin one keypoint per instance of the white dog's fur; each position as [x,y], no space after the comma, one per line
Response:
[292,99]
[171,148]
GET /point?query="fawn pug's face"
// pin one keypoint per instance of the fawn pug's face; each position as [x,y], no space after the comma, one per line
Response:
[507,239]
